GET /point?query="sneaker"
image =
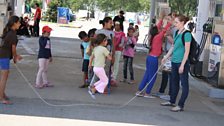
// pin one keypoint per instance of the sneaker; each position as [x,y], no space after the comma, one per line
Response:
[165,97]
[167,104]
[91,94]
[148,96]
[139,94]
[131,82]
[39,86]
[123,80]
[48,85]
[157,94]
[177,109]
[83,86]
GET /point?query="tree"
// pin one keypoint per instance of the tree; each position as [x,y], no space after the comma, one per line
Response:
[145,5]
[33,2]
[186,7]
[51,14]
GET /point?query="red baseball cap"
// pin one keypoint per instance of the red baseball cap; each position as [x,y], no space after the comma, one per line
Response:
[46,29]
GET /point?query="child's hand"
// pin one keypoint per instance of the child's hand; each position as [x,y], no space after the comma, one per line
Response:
[90,67]
[50,60]
[17,58]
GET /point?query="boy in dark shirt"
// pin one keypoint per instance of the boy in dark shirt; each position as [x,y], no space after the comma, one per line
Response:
[84,45]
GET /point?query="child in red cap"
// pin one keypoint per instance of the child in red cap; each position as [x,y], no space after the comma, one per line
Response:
[44,57]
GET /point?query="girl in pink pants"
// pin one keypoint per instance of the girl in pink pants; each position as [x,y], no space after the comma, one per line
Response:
[44,57]
[99,55]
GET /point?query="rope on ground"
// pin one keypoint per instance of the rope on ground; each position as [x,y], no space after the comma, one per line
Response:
[75,104]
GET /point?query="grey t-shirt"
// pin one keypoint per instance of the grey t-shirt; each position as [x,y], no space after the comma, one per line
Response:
[106,32]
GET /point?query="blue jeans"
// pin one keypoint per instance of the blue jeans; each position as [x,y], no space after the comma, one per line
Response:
[175,86]
[128,62]
[151,69]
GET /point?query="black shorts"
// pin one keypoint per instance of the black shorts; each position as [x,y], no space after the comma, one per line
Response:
[85,65]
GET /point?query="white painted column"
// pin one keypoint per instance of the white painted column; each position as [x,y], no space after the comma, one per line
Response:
[19,7]
[202,16]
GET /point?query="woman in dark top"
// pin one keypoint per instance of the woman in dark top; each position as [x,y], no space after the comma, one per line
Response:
[8,52]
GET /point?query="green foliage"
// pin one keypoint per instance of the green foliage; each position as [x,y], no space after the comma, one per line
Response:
[126,5]
[186,7]
[51,14]
[33,2]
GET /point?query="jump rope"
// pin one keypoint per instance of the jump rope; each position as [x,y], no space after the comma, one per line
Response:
[76,104]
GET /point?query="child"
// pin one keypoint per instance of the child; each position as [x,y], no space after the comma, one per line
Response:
[131,25]
[84,45]
[44,57]
[99,55]
[118,45]
[89,50]
[157,35]
[107,23]
[128,55]
[7,52]
[136,34]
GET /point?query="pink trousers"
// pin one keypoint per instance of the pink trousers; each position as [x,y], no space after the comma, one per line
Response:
[102,83]
[42,72]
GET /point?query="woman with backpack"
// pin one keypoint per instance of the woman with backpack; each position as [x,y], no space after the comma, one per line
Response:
[180,64]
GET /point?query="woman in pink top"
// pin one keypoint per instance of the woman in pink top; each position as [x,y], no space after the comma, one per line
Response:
[128,55]
[157,34]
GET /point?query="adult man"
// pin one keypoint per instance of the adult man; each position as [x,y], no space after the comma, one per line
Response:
[120,18]
[37,17]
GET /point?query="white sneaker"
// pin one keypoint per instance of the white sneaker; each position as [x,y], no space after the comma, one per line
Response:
[177,109]
[148,96]
[157,94]
[139,94]
[167,104]
[165,97]
[91,94]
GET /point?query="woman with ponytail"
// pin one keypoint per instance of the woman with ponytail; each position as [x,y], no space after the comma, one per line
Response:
[8,52]
[107,23]
[180,64]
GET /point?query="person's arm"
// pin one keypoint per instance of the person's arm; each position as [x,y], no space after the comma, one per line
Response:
[51,59]
[133,42]
[186,53]
[16,57]
[170,39]
[91,61]
[168,54]
[160,23]
[167,27]
[109,57]
[82,50]
[89,50]
[187,38]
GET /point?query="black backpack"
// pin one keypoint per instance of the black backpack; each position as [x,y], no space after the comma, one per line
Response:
[194,48]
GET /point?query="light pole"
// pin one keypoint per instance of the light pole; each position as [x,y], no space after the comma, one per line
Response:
[152,13]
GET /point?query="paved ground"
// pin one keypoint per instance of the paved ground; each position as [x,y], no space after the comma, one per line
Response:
[64,73]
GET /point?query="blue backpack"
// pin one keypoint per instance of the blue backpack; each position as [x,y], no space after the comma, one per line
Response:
[194,48]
